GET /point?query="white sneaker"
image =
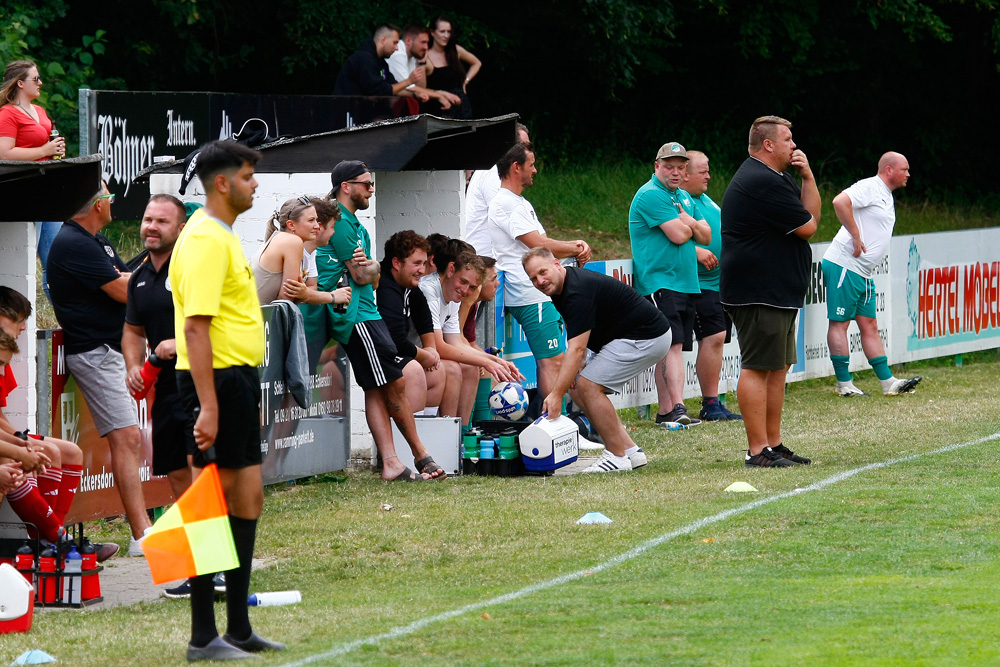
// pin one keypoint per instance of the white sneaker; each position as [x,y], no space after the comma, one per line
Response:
[608,462]
[135,545]
[636,457]
[589,444]
[847,389]
[896,386]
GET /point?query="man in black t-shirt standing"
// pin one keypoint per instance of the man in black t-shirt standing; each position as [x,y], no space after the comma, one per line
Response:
[88,283]
[149,317]
[626,335]
[767,221]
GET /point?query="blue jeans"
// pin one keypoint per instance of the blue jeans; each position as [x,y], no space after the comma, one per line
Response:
[45,233]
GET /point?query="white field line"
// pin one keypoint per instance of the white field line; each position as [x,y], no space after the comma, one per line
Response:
[638,550]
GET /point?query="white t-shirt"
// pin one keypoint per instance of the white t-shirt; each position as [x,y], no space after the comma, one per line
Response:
[483,186]
[871,200]
[510,216]
[400,64]
[444,314]
[309,264]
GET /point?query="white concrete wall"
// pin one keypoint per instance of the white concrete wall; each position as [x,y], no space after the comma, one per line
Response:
[424,201]
[17,271]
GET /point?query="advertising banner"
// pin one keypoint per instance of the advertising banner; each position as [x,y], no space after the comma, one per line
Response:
[946,290]
[130,129]
[296,442]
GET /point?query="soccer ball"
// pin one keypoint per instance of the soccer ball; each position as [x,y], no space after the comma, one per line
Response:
[509,401]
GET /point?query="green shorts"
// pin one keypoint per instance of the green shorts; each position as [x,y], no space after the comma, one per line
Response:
[767,336]
[543,327]
[848,294]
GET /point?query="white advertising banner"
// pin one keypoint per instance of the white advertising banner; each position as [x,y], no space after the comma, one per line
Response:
[946,293]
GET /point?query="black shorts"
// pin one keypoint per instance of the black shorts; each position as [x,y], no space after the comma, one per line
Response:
[237,389]
[172,441]
[373,355]
[678,308]
[767,336]
[709,318]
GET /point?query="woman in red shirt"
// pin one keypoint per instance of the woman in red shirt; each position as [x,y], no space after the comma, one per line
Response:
[25,134]
[25,127]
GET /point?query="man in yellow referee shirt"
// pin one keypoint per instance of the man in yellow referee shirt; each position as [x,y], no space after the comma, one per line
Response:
[220,343]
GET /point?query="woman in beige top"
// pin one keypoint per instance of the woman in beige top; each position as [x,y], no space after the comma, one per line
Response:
[282,268]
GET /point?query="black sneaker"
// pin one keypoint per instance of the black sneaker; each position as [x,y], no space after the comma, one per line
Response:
[786,453]
[182,591]
[768,458]
[679,415]
[219,582]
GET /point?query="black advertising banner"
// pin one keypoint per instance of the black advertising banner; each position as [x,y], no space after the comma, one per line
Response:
[131,129]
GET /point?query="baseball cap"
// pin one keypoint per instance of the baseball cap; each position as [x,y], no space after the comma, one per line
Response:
[346,170]
[671,149]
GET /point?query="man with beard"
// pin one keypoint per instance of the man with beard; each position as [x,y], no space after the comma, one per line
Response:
[377,365]
[220,344]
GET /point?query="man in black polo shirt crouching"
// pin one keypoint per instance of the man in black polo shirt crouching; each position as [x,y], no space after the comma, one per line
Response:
[626,335]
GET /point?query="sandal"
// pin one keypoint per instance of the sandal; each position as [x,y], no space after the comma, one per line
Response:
[427,466]
[406,476]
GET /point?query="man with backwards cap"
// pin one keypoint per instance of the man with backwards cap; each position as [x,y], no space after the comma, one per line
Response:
[663,230]
[365,337]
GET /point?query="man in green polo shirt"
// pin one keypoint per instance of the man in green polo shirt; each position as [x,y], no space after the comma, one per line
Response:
[377,366]
[712,325]
[664,230]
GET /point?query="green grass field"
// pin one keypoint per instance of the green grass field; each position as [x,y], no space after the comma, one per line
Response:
[890,566]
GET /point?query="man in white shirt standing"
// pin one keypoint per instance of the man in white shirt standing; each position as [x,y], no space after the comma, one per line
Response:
[409,58]
[483,187]
[867,212]
[514,230]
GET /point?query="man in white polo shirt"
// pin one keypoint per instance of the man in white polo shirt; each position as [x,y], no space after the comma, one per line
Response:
[867,212]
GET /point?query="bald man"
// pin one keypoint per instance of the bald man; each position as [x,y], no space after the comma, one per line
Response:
[867,214]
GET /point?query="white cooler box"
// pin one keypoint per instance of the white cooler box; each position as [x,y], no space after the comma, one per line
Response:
[442,436]
[549,444]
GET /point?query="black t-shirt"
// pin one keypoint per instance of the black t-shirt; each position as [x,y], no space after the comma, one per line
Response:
[399,306]
[151,306]
[79,265]
[365,73]
[763,262]
[607,308]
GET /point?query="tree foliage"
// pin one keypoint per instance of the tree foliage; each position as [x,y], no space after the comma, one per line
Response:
[595,79]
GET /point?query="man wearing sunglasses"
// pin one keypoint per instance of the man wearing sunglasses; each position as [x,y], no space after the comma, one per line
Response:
[88,282]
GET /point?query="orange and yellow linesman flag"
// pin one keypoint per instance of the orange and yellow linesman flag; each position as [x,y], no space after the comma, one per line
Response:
[193,537]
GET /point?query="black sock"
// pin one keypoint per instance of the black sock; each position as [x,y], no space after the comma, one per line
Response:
[202,610]
[238,580]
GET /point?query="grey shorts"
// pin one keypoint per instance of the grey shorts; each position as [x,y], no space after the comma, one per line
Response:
[621,360]
[100,374]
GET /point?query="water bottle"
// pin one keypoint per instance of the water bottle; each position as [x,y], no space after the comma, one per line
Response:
[486,464]
[470,451]
[24,561]
[90,587]
[723,390]
[149,372]
[72,567]
[46,576]
[341,307]
[274,599]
